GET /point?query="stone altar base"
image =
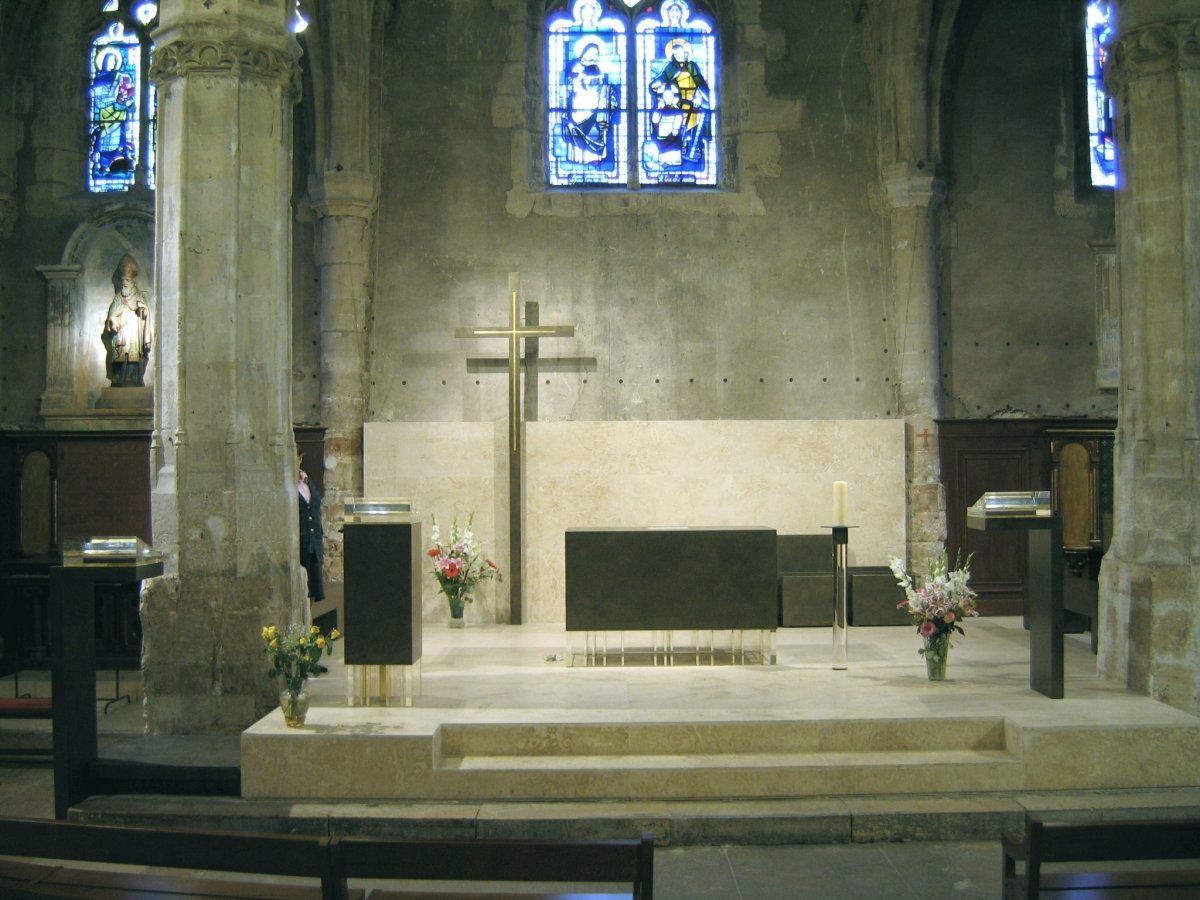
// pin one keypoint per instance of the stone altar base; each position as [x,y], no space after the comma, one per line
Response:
[501,718]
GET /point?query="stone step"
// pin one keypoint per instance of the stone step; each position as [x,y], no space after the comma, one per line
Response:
[684,739]
[664,760]
[913,817]
[666,777]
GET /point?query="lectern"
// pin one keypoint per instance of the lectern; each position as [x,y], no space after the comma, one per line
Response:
[86,564]
[382,604]
[1030,511]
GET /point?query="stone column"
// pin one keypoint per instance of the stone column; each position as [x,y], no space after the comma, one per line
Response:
[344,204]
[343,192]
[913,195]
[62,284]
[223,498]
[1150,584]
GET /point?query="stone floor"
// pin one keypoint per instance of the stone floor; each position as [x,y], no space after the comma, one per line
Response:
[490,673]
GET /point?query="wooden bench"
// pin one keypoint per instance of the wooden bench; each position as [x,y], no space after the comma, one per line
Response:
[52,858]
[1103,858]
[627,862]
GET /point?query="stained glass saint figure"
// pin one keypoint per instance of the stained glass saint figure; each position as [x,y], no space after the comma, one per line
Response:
[115,88]
[585,74]
[676,82]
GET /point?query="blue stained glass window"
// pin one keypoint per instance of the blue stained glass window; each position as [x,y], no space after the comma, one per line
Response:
[610,105]
[1102,149]
[122,107]
[588,106]
[677,85]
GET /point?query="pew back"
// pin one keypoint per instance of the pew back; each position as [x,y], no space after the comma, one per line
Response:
[1111,846]
[126,851]
[629,862]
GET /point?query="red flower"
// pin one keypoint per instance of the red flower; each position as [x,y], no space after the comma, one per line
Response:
[452,570]
[433,552]
[491,565]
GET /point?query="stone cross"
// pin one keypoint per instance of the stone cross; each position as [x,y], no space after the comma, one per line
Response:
[515,333]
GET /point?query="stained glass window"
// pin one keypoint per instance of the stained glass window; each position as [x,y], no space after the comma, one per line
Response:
[677,68]
[613,104]
[122,105]
[1100,29]
[588,107]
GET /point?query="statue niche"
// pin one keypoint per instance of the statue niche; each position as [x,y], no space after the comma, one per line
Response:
[128,328]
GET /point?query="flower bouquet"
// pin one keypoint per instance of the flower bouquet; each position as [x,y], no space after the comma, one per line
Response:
[459,565]
[938,607]
[295,656]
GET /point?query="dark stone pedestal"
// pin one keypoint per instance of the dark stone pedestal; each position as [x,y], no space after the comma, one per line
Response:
[382,601]
[650,579]
[874,594]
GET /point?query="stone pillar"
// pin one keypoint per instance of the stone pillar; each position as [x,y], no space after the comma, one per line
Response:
[345,204]
[913,195]
[62,284]
[343,191]
[1150,583]
[223,497]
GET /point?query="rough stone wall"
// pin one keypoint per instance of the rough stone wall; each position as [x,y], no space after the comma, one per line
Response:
[767,305]
[44,145]
[764,302]
[1018,299]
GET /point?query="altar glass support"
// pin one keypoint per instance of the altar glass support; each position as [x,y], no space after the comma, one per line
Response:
[672,595]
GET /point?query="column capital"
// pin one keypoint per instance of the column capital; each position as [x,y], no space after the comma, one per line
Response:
[912,184]
[242,59]
[53,273]
[1155,50]
[342,193]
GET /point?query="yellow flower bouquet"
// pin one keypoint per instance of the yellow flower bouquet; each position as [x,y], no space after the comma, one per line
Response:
[295,653]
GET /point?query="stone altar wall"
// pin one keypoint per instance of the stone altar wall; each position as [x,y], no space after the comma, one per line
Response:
[774,474]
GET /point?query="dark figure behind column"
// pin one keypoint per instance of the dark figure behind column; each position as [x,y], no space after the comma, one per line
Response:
[311,534]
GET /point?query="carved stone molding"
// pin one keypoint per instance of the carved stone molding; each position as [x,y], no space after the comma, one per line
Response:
[181,58]
[907,186]
[1155,50]
[336,193]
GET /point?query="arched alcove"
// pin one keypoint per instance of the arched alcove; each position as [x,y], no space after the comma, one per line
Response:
[79,391]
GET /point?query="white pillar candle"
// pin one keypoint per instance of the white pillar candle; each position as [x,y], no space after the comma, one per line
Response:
[839,503]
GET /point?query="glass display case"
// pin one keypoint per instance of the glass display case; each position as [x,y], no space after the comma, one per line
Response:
[112,550]
[1009,505]
[368,510]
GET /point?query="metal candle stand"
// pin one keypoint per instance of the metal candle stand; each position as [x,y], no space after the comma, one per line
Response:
[841,539]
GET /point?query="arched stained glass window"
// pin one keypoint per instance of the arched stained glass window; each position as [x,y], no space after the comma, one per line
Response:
[122,104]
[588,104]
[1100,29]
[637,113]
[677,67]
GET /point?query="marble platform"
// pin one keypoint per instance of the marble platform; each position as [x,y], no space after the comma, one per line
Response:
[502,718]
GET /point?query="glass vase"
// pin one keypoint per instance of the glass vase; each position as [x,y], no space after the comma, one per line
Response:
[937,654]
[457,607]
[294,707]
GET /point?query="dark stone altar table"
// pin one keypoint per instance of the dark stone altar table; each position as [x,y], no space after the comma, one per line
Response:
[648,584]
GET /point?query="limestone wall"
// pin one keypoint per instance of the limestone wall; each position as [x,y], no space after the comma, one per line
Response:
[638,474]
